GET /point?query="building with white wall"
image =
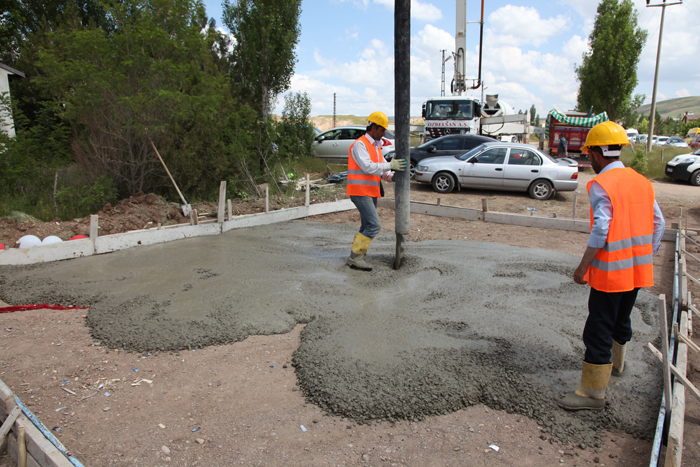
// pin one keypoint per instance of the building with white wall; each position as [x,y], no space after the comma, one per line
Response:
[6,122]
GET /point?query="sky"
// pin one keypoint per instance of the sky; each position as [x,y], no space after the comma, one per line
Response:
[530,48]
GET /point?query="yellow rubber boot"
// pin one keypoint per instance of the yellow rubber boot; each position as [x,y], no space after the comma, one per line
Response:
[618,358]
[358,252]
[590,395]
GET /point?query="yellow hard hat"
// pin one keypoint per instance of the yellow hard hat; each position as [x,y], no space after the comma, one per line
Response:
[606,134]
[379,118]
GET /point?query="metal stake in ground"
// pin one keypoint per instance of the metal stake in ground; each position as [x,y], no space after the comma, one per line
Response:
[402,120]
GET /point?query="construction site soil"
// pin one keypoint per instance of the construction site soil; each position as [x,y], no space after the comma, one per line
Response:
[260,347]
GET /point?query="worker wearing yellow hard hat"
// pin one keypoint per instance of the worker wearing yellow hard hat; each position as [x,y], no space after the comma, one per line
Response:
[366,169]
[626,230]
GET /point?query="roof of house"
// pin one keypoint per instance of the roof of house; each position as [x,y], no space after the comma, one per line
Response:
[11,70]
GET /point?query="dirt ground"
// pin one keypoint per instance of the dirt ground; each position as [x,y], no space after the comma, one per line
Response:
[238,404]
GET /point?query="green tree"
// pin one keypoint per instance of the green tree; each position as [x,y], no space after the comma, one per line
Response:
[608,73]
[151,76]
[295,131]
[262,61]
[533,113]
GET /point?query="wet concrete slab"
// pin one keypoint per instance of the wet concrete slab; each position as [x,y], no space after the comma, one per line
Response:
[460,323]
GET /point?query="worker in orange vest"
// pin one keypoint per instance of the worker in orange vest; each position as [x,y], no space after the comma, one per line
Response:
[626,230]
[366,169]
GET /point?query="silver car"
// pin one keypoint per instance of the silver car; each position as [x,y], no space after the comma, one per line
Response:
[501,166]
[333,145]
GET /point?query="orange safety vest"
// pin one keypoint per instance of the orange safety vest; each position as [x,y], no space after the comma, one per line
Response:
[625,261]
[359,183]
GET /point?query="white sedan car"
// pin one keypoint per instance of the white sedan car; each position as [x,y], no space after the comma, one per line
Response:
[333,145]
[676,141]
[500,166]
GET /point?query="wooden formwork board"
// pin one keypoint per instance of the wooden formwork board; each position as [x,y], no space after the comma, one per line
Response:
[40,451]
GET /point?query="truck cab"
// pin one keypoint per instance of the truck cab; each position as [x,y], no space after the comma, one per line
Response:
[451,115]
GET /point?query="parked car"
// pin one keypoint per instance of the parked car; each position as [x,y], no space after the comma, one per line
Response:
[642,138]
[676,141]
[654,140]
[632,135]
[685,167]
[695,142]
[450,145]
[501,166]
[333,145]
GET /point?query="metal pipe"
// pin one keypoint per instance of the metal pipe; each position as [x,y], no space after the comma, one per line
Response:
[402,112]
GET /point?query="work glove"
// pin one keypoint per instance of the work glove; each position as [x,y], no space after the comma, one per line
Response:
[398,164]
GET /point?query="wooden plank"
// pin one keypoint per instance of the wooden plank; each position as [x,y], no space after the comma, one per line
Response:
[687,341]
[12,450]
[222,202]
[229,205]
[690,316]
[693,390]
[308,188]
[22,446]
[7,400]
[109,243]
[674,444]
[484,204]
[664,347]
[7,424]
[40,448]
[94,226]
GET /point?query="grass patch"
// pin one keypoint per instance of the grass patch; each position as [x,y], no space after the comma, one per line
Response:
[656,159]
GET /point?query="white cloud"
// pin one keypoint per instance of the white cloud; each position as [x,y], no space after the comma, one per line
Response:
[369,70]
[518,25]
[683,93]
[574,49]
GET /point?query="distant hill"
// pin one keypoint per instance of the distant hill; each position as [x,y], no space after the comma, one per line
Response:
[674,107]
[325,122]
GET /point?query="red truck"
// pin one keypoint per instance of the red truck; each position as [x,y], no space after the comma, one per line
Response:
[575,127]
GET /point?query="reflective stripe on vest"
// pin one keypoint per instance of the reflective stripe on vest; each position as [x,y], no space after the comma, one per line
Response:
[360,183]
[625,261]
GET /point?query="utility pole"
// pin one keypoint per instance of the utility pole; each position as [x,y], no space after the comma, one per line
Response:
[333,110]
[652,113]
[402,121]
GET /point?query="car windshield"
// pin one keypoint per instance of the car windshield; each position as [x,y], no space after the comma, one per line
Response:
[457,109]
[389,135]
[474,151]
[697,153]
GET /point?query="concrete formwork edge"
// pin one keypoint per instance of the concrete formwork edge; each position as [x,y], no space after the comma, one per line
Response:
[46,253]
[110,243]
[575,225]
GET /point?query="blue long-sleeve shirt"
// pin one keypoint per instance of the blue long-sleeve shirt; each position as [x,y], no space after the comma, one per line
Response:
[603,212]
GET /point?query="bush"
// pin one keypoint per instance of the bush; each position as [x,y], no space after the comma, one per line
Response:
[639,162]
[79,201]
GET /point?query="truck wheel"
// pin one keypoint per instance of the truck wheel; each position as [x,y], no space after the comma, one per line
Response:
[412,168]
[443,182]
[541,189]
[695,178]
[514,139]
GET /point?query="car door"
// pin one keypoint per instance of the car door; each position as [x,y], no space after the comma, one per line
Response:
[523,166]
[327,144]
[449,147]
[485,170]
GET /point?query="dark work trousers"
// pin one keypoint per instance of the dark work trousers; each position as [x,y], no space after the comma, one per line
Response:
[608,319]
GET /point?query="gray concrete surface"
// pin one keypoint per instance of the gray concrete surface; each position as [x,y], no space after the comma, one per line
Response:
[461,323]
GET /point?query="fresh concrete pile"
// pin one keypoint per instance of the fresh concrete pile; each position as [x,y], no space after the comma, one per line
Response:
[461,323]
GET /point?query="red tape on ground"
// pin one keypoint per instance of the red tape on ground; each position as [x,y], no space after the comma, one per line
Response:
[11,309]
